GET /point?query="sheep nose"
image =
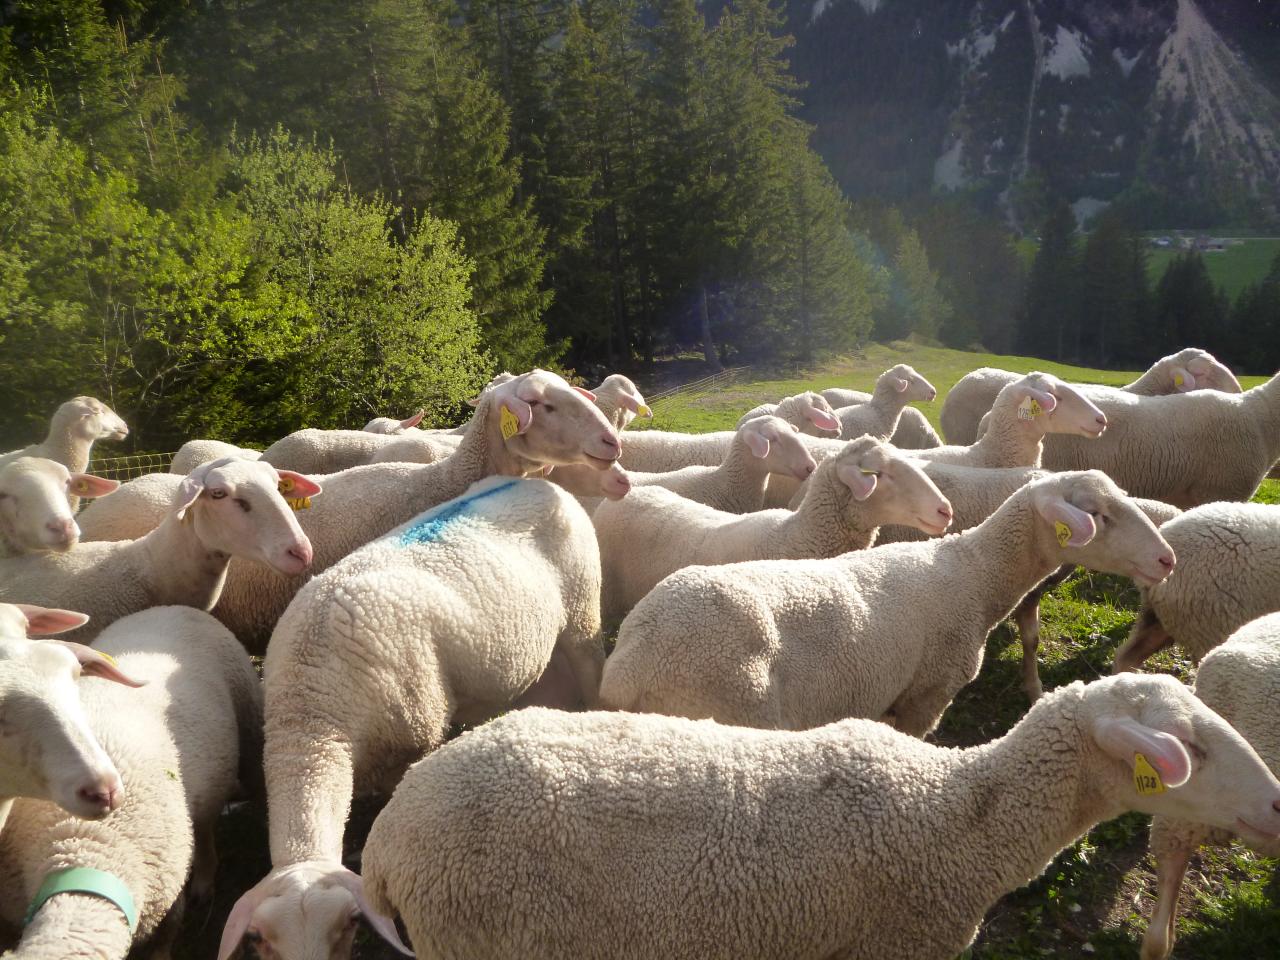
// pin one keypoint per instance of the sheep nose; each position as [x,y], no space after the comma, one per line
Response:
[945,513]
[102,796]
[1101,420]
[933,395]
[64,529]
[1166,560]
[610,441]
[809,468]
[303,553]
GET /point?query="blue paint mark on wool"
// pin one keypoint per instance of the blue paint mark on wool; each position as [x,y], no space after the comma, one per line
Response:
[430,528]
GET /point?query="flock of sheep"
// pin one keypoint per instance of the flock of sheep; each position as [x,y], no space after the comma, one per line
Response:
[797,603]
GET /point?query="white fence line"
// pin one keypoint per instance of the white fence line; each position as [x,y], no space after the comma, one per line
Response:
[700,387]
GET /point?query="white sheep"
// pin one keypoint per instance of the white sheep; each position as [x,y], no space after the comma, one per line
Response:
[893,632]
[181,743]
[653,532]
[914,430]
[620,401]
[661,451]
[195,452]
[1186,449]
[1023,413]
[1181,372]
[34,512]
[48,750]
[388,426]
[222,509]
[1228,574]
[448,618]
[325,451]
[75,426]
[417,447]
[519,428]
[1240,679]
[764,447]
[613,836]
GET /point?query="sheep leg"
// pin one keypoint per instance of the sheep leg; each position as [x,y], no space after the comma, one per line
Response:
[1147,637]
[160,945]
[1027,618]
[556,688]
[204,864]
[1171,867]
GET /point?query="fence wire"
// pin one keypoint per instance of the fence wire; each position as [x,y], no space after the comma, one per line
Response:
[130,467]
[696,388]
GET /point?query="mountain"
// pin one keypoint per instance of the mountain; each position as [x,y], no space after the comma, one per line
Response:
[1168,107]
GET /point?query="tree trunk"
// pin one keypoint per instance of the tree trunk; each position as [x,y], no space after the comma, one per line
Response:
[708,344]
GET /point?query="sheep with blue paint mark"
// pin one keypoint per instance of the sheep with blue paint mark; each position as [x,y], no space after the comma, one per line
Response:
[449,618]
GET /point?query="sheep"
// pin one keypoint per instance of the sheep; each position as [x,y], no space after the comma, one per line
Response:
[181,743]
[1023,413]
[390,427]
[48,751]
[34,512]
[914,430]
[546,835]
[325,451]
[765,447]
[653,532]
[893,632]
[448,618]
[519,427]
[195,452]
[417,447]
[1228,574]
[808,411]
[1240,679]
[661,451]
[134,510]
[1181,372]
[72,432]
[620,401]
[1186,449]
[223,509]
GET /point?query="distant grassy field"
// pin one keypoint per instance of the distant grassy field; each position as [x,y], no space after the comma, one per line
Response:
[1094,899]
[1232,269]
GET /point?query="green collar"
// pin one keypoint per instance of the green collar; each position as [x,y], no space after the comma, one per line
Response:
[96,883]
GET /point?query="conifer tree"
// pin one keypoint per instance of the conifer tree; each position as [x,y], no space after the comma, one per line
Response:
[1051,312]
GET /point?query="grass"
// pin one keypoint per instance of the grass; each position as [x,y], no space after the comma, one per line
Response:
[1232,269]
[1094,898]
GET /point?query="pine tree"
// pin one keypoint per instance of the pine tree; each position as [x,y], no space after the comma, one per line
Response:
[1113,293]
[1255,325]
[1050,316]
[1188,308]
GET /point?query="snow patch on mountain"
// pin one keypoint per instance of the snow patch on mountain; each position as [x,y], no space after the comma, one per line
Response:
[948,171]
[979,44]
[1126,63]
[1066,56]
[820,7]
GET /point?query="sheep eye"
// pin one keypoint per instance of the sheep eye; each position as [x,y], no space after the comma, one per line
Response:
[242,504]
[549,408]
[217,494]
[253,936]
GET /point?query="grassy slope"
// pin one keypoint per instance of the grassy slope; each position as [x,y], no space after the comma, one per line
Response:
[1093,900]
[1233,268]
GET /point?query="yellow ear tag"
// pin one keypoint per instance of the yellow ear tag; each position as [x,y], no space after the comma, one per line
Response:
[508,423]
[79,487]
[285,485]
[1178,380]
[1029,409]
[298,503]
[1063,532]
[868,473]
[643,411]
[1145,779]
[109,658]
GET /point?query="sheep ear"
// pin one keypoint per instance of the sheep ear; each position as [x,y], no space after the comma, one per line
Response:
[413,421]
[822,419]
[586,393]
[1047,401]
[42,621]
[514,413]
[1184,381]
[1124,737]
[861,482]
[901,385]
[238,921]
[94,663]
[188,492]
[756,443]
[385,927]
[87,485]
[1072,526]
[295,486]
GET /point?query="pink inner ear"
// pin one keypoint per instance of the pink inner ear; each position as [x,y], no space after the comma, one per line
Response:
[822,420]
[862,485]
[1122,737]
[42,621]
[1188,380]
[630,401]
[238,922]
[188,492]
[384,926]
[1081,525]
[758,445]
[901,385]
[87,485]
[302,486]
[413,421]
[586,393]
[94,664]
[1048,402]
